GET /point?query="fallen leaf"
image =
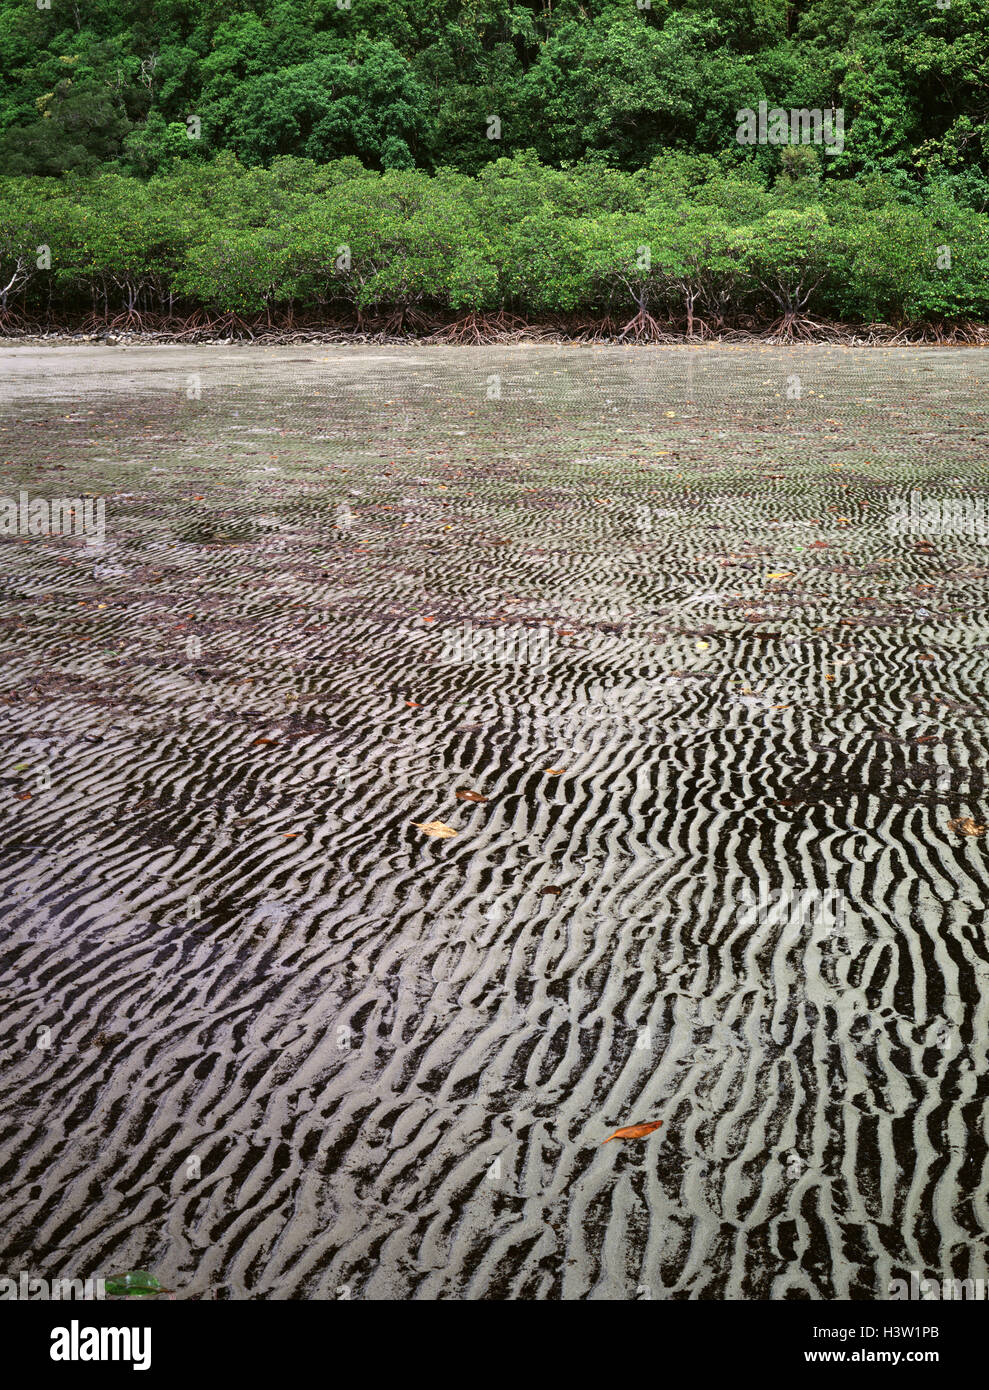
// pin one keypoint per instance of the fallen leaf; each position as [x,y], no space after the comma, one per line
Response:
[551,890]
[436,828]
[780,574]
[465,795]
[556,771]
[634,1131]
[965,825]
[413,704]
[137,1283]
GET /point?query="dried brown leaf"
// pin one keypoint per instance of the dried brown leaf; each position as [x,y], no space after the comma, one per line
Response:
[436,828]
[965,825]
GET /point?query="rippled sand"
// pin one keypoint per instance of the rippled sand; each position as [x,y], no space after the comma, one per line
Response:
[265,1038]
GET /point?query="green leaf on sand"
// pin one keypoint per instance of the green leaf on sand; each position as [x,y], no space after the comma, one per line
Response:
[138,1283]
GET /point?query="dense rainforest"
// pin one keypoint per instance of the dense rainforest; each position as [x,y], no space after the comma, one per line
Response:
[179,163]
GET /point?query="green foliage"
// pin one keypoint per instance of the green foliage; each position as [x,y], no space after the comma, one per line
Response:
[137,1283]
[368,103]
[790,254]
[81,124]
[251,157]
[397,240]
[699,244]
[96,82]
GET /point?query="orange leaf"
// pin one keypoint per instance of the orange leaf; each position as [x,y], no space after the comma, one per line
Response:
[965,825]
[634,1131]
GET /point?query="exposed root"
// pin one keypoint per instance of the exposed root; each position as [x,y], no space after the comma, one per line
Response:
[235,327]
[644,329]
[195,325]
[797,328]
[404,325]
[476,329]
[466,331]
[700,330]
[13,324]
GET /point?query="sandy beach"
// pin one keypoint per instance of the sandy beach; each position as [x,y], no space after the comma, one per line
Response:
[724,866]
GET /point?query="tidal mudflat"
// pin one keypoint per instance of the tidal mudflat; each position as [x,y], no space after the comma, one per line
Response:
[704,633]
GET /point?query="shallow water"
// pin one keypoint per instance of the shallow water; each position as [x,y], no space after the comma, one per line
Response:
[266,1038]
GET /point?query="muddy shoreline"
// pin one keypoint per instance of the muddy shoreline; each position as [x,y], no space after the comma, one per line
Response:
[726,866]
